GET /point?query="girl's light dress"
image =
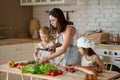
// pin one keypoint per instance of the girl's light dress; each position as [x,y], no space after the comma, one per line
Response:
[43,53]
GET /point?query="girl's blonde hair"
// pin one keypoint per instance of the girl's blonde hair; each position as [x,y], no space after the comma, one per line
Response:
[45,30]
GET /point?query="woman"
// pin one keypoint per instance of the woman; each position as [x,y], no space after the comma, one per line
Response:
[65,33]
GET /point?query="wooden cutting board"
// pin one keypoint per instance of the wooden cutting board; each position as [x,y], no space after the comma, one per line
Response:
[105,75]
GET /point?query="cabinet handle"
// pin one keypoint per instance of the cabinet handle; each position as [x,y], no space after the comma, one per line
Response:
[18,49]
[110,53]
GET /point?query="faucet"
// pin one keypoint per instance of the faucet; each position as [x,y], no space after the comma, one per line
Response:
[6,27]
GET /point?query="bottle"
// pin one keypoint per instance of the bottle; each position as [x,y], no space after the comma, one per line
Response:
[35,34]
[34,25]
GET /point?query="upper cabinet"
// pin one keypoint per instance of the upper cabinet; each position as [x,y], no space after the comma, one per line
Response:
[45,2]
[26,2]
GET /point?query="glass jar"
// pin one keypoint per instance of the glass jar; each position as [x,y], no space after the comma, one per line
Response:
[35,34]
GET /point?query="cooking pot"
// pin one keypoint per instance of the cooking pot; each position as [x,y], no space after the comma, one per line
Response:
[116,39]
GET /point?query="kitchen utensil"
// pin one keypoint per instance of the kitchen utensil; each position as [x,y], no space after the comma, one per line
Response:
[116,39]
[67,15]
[35,34]
[45,49]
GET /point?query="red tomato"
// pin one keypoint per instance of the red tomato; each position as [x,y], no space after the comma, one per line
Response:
[19,66]
[60,72]
[66,68]
[53,73]
[49,73]
[71,70]
[16,64]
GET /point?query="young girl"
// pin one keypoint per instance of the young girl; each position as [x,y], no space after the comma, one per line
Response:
[89,57]
[42,51]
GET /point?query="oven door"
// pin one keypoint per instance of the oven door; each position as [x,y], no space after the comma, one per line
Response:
[108,52]
[117,61]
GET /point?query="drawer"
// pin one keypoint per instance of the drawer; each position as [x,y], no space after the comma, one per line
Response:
[16,49]
[19,57]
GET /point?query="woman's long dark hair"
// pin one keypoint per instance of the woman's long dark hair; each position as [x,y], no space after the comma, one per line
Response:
[61,21]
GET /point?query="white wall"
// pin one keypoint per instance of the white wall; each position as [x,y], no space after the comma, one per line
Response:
[88,15]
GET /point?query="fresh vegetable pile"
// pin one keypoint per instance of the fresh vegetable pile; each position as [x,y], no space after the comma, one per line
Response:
[36,68]
[39,68]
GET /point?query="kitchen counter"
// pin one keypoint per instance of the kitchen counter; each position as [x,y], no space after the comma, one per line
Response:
[111,47]
[30,40]
[105,75]
[17,41]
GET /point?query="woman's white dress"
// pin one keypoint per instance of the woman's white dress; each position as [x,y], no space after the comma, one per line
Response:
[72,54]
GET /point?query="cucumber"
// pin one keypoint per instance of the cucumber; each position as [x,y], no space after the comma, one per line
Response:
[31,62]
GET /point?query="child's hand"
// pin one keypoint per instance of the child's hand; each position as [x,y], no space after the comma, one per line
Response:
[44,60]
[90,64]
[36,59]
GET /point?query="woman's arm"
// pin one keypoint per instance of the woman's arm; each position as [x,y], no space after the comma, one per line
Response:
[69,32]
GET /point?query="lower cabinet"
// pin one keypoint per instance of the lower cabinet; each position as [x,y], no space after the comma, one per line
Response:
[13,77]
[18,52]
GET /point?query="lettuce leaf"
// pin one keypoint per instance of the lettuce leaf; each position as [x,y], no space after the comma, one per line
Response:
[38,68]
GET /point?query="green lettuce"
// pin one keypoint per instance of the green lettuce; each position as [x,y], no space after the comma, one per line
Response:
[38,68]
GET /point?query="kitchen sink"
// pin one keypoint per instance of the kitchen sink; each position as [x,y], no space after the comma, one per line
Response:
[12,40]
[2,37]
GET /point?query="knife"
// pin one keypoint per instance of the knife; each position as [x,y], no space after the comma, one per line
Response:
[46,49]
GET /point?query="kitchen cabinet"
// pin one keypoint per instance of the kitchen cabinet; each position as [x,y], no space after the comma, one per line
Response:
[26,2]
[35,46]
[45,2]
[16,52]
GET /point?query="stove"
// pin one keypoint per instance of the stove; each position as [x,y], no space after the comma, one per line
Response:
[108,52]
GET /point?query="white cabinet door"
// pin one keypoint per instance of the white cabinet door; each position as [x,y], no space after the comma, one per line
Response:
[46,2]
[62,1]
[17,52]
[26,2]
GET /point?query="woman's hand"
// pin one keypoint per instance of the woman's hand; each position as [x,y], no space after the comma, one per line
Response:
[51,48]
[44,60]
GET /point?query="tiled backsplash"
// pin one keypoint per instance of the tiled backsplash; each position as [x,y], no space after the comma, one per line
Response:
[88,15]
